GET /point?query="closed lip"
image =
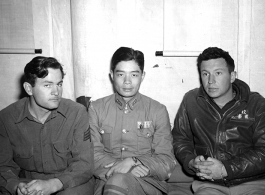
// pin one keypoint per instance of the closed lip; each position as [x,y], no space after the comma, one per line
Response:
[55,99]
[127,89]
[212,89]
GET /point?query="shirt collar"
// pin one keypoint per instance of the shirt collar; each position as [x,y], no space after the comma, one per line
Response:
[26,114]
[131,103]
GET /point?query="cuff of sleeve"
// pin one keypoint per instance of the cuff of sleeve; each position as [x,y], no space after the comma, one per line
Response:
[65,181]
[144,162]
[228,170]
[12,185]
[186,164]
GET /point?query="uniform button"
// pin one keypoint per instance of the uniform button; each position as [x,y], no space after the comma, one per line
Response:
[123,148]
[124,131]
[148,134]
[102,131]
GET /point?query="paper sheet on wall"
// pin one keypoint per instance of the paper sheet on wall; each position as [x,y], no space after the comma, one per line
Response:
[16,24]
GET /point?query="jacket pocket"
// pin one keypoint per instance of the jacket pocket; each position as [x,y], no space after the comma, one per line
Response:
[145,138]
[61,154]
[23,156]
[106,132]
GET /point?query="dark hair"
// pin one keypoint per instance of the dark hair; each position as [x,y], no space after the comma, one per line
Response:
[127,54]
[214,53]
[38,68]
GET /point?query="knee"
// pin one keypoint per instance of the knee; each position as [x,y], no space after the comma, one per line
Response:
[119,179]
[84,189]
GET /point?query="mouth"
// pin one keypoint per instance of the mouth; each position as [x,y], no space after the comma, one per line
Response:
[55,99]
[212,89]
[127,89]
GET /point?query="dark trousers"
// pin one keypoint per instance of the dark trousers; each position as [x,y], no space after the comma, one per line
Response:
[84,189]
[128,184]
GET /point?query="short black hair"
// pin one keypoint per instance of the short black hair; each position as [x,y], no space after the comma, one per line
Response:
[214,53]
[38,68]
[127,54]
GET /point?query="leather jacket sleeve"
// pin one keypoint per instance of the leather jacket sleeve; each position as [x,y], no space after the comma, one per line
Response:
[183,138]
[251,162]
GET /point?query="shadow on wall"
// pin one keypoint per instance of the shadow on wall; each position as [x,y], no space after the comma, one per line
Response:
[22,93]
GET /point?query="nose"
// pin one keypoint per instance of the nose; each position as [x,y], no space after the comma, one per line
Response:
[211,79]
[55,90]
[127,79]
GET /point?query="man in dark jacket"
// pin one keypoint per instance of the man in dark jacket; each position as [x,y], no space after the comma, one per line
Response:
[219,130]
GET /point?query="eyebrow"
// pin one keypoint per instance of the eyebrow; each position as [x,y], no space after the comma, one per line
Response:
[135,71]
[47,81]
[214,69]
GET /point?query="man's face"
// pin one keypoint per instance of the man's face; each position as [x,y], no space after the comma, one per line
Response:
[127,78]
[216,80]
[47,92]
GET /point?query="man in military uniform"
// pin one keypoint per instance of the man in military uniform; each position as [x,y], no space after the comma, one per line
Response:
[45,145]
[133,150]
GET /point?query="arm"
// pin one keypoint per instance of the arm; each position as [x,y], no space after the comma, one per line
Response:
[162,161]
[183,139]
[81,166]
[101,158]
[251,161]
[8,168]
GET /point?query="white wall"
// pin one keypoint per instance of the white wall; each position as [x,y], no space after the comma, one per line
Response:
[96,29]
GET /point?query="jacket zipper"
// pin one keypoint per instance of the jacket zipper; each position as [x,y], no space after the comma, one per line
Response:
[220,117]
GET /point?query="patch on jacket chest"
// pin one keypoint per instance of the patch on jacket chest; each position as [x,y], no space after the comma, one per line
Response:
[243,116]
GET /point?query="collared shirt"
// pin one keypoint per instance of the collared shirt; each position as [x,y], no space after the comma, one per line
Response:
[60,148]
[138,128]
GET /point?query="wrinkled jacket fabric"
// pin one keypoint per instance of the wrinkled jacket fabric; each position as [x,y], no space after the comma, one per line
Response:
[142,131]
[236,138]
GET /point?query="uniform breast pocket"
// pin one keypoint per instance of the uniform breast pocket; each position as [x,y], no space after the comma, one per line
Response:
[23,156]
[61,154]
[145,138]
[106,133]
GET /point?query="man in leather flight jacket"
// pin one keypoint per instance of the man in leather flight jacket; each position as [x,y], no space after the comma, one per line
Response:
[219,130]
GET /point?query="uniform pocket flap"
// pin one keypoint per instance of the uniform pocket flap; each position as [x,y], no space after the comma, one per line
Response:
[61,147]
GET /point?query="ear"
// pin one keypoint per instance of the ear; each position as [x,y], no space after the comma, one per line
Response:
[111,75]
[143,75]
[28,88]
[233,76]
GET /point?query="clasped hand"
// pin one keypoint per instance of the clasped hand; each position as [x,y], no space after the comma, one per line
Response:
[39,187]
[125,166]
[209,168]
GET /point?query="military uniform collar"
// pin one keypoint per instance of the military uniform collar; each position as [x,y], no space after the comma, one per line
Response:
[131,103]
